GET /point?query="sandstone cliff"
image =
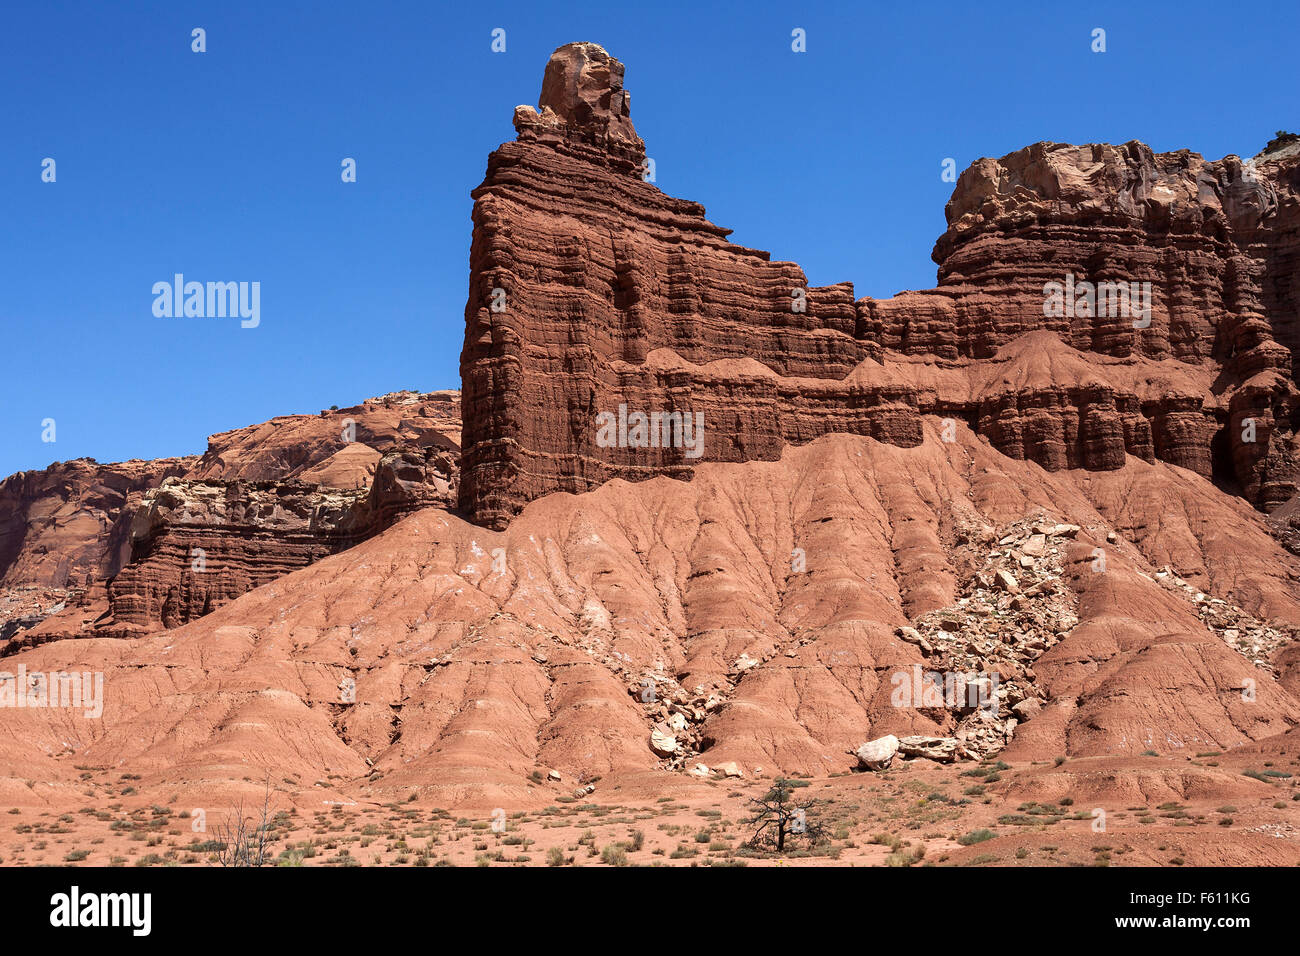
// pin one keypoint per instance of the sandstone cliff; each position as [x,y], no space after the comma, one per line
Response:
[592,293]
[65,526]
[198,544]
[177,537]
[269,499]
[1215,241]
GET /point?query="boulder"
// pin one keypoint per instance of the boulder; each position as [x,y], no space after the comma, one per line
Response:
[1027,709]
[878,754]
[942,749]
[663,743]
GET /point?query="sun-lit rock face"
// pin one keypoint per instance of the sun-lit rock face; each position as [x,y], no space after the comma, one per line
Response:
[261,501]
[1094,302]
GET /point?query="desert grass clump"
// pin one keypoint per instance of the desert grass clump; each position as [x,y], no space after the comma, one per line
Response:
[614,855]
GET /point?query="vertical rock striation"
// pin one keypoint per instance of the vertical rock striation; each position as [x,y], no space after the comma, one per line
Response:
[594,294]
[582,273]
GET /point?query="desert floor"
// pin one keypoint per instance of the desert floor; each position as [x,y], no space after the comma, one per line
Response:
[917,813]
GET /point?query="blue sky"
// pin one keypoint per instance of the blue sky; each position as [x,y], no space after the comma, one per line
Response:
[225,166]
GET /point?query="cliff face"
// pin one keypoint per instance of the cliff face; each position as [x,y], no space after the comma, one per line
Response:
[70,524]
[65,526]
[595,297]
[198,544]
[1034,507]
[269,499]
[1215,243]
[63,531]
[580,271]
[176,537]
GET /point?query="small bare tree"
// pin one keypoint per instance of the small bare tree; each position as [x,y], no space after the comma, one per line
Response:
[245,839]
[777,815]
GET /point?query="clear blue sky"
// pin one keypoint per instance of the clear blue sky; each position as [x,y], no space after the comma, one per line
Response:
[225,166]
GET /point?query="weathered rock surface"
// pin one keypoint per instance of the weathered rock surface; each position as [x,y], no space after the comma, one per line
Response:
[590,288]
[263,500]
[470,674]
[1217,241]
[591,291]
[877,754]
[199,543]
[308,447]
[942,749]
[65,526]
[1019,501]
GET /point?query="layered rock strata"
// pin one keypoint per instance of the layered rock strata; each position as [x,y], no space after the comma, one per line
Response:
[262,500]
[198,544]
[595,298]
[1209,246]
[69,524]
[581,270]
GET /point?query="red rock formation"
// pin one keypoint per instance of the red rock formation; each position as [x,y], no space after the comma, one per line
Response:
[65,525]
[591,290]
[200,543]
[266,500]
[309,447]
[591,270]
[479,657]
[768,604]
[1215,240]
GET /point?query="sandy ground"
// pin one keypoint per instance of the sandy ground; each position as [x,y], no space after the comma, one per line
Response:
[918,813]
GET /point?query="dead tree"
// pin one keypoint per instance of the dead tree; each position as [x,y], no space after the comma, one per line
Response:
[246,840]
[777,815]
